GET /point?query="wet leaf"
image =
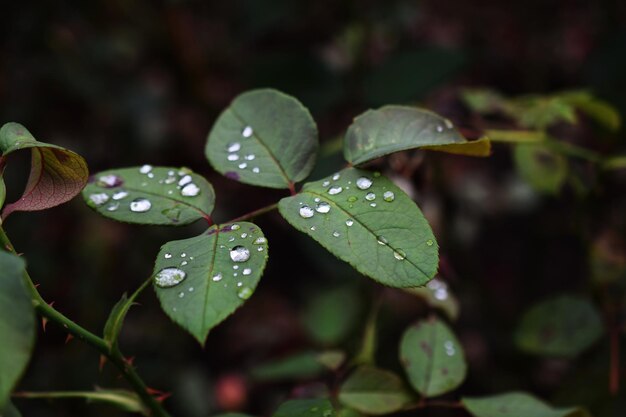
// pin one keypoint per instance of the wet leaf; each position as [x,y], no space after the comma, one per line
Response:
[305,408]
[17,324]
[596,109]
[437,295]
[202,280]
[147,195]
[432,357]
[517,404]
[374,391]
[331,315]
[544,169]
[390,129]
[564,326]
[367,221]
[10,411]
[264,138]
[56,174]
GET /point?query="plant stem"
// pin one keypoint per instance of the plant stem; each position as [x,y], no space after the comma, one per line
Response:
[114,355]
[255,213]
[368,344]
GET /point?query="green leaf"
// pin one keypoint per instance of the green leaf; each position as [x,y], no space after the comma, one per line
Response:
[232,415]
[305,408]
[17,324]
[596,109]
[540,112]
[301,365]
[564,326]
[437,295]
[432,357]
[544,169]
[56,174]
[219,269]
[517,404]
[483,100]
[348,412]
[115,321]
[3,191]
[122,399]
[390,129]
[374,391]
[378,230]
[147,195]
[331,315]
[264,138]
[10,411]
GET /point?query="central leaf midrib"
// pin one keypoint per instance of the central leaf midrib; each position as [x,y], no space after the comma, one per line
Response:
[208,285]
[365,227]
[154,194]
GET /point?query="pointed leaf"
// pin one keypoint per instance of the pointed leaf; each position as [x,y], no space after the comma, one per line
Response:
[114,323]
[374,391]
[56,174]
[147,195]
[264,138]
[305,408]
[390,129]
[17,324]
[219,269]
[564,326]
[377,229]
[122,399]
[517,404]
[432,357]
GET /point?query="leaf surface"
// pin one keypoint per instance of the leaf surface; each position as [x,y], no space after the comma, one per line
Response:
[432,357]
[216,273]
[56,174]
[305,408]
[390,129]
[517,404]
[264,138]
[543,168]
[150,195]
[17,324]
[378,229]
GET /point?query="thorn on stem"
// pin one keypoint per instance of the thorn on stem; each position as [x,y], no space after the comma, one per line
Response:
[44,322]
[69,338]
[103,360]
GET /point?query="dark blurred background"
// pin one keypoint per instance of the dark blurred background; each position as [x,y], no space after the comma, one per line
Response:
[125,83]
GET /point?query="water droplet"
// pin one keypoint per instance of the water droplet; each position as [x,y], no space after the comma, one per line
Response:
[336,177]
[113,206]
[247,271]
[370,196]
[335,190]
[313,228]
[382,240]
[250,157]
[239,284]
[183,263]
[235,267]
[448,123]
[349,222]
[441,294]
[145,169]
[109,181]
[439,128]
[191,289]
[144,184]
[306,212]
[183,255]
[399,255]
[325,183]
[247,132]
[233,147]
[167,255]
[256,170]
[260,241]
[372,204]
[317,199]
[140,205]
[244,235]
[217,277]
[232,157]
[169,277]
[259,249]
[190,190]
[235,227]
[150,175]
[352,199]
[449,347]
[323,207]
[245,293]
[99,198]
[243,165]
[389,196]
[336,234]
[364,183]
[239,254]
[120,195]
[185,180]
[429,242]
[232,239]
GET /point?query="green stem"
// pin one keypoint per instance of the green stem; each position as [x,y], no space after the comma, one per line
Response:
[366,355]
[113,355]
[255,213]
[574,150]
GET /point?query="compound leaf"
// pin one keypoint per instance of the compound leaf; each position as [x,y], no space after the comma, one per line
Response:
[367,221]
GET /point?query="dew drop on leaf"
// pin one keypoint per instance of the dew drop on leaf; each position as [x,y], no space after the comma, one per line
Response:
[169,277]
[349,222]
[363,183]
[399,255]
[250,157]
[247,132]
[140,205]
[247,271]
[113,206]
[429,242]
[256,170]
[336,176]
[217,277]
[323,207]
[233,147]
[352,199]
[243,165]
[260,241]
[336,234]
[335,190]
[389,196]
[239,254]
[306,212]
[185,180]
[244,293]
[190,190]
[145,169]
[370,196]
[382,240]
[167,255]
[439,128]
[120,195]
[232,157]
[109,181]
[99,198]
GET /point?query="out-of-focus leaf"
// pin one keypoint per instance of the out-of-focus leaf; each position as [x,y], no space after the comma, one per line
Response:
[302,365]
[264,138]
[17,324]
[331,315]
[147,195]
[617,162]
[369,222]
[545,169]
[122,399]
[596,109]
[374,391]
[564,326]
[483,100]
[517,404]
[3,191]
[389,129]
[607,258]
[515,136]
[539,112]
[10,411]
[432,357]
[232,415]
[56,174]
[202,280]
[305,408]
[437,295]
[348,412]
